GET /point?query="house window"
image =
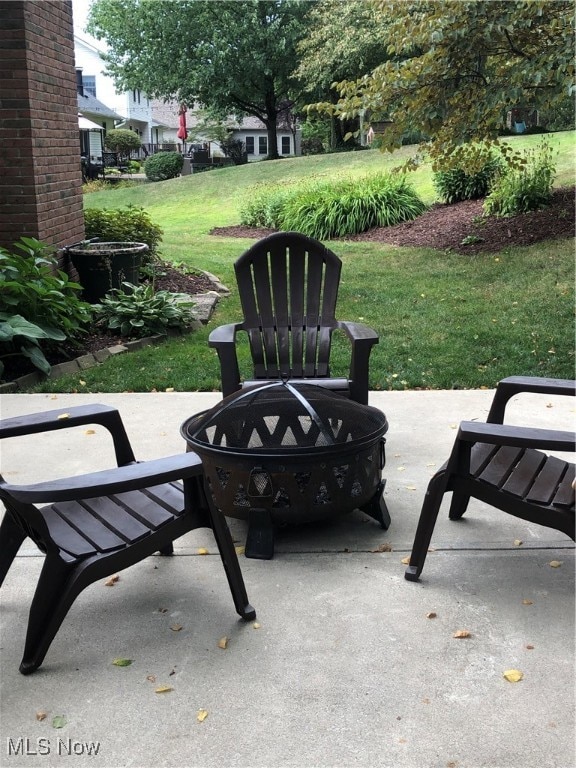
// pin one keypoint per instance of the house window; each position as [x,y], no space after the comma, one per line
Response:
[285,145]
[250,145]
[262,145]
[89,84]
[136,96]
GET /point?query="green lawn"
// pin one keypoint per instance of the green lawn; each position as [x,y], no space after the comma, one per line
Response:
[444,320]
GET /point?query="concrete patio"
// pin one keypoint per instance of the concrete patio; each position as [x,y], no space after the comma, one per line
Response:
[348,665]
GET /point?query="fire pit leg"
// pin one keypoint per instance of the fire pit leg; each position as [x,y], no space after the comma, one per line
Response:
[260,539]
[377,508]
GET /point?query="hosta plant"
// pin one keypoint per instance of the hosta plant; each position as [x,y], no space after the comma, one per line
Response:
[140,311]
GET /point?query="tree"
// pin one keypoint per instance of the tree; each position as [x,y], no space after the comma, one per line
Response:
[344,40]
[456,68]
[233,57]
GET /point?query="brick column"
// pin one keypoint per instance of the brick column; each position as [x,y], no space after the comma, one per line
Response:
[40,174]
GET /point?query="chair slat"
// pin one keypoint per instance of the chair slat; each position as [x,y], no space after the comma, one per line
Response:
[565,493]
[544,488]
[65,536]
[480,457]
[113,517]
[150,507]
[523,474]
[92,528]
[500,465]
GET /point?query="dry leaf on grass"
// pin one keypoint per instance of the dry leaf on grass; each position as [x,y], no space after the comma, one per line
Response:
[513,675]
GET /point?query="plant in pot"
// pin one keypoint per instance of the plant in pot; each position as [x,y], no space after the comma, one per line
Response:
[119,243]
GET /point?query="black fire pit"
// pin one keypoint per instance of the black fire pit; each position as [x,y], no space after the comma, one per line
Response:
[290,453]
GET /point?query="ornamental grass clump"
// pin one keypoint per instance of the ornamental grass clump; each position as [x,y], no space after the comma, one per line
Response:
[334,208]
[331,209]
[524,188]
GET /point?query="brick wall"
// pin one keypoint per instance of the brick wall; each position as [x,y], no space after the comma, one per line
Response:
[40,175]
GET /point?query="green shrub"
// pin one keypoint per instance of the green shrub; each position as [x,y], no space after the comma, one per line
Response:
[163,165]
[524,188]
[39,304]
[122,141]
[330,209]
[454,184]
[124,225]
[264,208]
[142,311]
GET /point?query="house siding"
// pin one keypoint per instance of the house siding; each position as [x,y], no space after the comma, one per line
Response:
[40,179]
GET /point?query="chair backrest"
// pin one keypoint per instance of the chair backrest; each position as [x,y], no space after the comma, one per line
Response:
[288,286]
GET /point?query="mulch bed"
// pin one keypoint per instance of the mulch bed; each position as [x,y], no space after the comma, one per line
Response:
[445,227]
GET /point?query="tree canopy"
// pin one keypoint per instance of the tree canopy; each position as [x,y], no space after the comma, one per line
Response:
[456,68]
[232,57]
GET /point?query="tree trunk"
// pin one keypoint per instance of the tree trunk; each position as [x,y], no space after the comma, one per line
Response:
[272,130]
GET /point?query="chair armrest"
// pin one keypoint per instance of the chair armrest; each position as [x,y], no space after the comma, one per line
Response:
[223,340]
[362,339]
[522,437]
[117,480]
[514,385]
[65,418]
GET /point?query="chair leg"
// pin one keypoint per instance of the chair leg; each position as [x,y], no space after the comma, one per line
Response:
[58,586]
[428,516]
[458,505]
[231,565]
[11,538]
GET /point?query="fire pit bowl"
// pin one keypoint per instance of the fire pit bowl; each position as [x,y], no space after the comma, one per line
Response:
[284,452]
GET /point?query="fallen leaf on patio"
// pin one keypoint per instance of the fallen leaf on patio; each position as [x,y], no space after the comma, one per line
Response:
[162,610]
[453,426]
[112,580]
[89,431]
[169,389]
[163,689]
[518,542]
[400,469]
[405,561]
[431,615]
[53,397]
[529,647]
[555,563]
[385,547]
[256,625]
[513,675]
[41,715]
[64,416]
[527,602]
[122,662]
[240,550]
[549,405]
[202,551]
[461,633]
[59,721]
[202,715]
[151,678]
[172,673]
[223,643]
[411,488]
[176,627]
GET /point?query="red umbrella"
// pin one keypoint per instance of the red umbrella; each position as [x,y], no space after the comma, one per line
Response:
[182,131]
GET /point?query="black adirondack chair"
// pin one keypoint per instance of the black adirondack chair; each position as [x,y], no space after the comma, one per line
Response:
[288,285]
[99,523]
[502,466]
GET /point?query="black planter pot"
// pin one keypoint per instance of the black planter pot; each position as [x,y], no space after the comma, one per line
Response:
[103,266]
